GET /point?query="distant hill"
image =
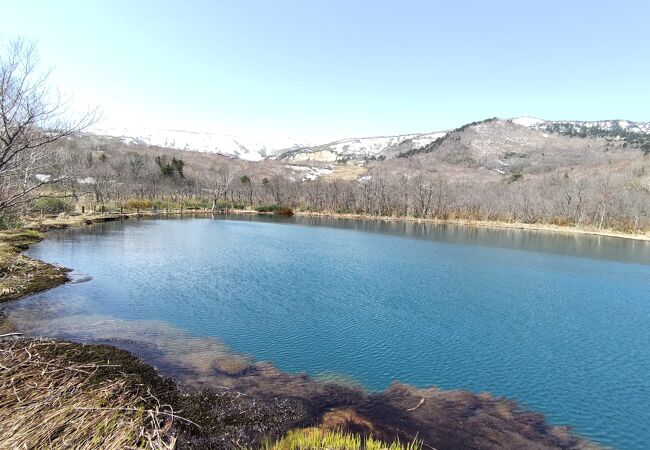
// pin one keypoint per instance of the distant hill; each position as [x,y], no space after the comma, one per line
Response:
[246,148]
[530,145]
[494,143]
[361,148]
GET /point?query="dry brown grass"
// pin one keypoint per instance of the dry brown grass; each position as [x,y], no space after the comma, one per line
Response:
[47,402]
[20,275]
[347,172]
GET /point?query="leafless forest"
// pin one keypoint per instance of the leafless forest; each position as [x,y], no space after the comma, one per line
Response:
[592,191]
[493,170]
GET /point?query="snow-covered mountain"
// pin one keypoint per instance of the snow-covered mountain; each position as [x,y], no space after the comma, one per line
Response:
[577,126]
[361,148]
[255,149]
[247,148]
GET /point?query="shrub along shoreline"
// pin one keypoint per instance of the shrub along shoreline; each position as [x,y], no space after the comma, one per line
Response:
[149,208]
[552,228]
[121,401]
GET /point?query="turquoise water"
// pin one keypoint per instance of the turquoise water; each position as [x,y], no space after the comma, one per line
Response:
[560,323]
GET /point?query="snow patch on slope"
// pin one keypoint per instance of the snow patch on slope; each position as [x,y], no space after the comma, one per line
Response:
[310,173]
[611,125]
[248,148]
[528,121]
[373,146]
[362,148]
[255,149]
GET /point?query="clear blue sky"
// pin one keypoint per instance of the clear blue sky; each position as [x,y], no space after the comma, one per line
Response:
[325,69]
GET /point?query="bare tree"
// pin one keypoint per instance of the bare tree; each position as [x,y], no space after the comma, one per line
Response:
[422,196]
[32,120]
[220,183]
[111,171]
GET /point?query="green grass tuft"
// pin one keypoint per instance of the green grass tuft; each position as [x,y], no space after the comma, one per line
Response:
[317,439]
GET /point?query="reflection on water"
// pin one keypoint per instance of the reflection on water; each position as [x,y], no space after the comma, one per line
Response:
[553,242]
[556,321]
[560,243]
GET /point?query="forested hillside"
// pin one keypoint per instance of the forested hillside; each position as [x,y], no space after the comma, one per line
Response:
[497,170]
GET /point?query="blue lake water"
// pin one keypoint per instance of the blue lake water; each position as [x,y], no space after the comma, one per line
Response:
[558,322]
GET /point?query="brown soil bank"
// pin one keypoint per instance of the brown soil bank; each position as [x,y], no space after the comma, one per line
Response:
[100,396]
[21,275]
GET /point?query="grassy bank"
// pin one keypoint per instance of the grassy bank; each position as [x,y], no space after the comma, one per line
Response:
[53,396]
[45,223]
[21,275]
[56,394]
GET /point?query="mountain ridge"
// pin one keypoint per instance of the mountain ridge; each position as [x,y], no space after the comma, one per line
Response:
[358,148]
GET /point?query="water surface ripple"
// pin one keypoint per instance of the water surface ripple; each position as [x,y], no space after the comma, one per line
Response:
[558,322]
